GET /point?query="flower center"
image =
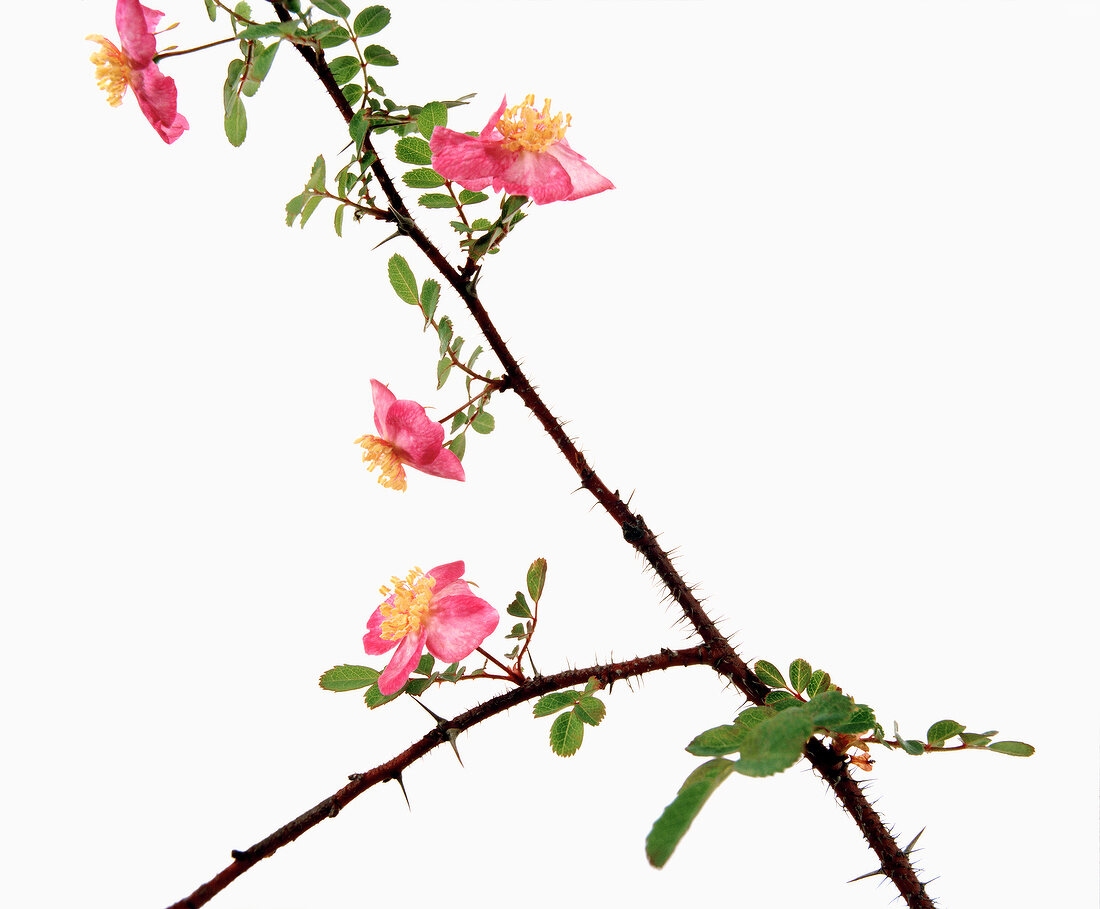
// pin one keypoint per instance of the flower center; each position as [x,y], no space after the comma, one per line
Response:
[112,69]
[411,599]
[381,454]
[527,129]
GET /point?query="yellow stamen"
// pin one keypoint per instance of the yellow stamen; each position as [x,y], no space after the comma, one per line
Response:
[527,129]
[411,599]
[112,69]
[381,454]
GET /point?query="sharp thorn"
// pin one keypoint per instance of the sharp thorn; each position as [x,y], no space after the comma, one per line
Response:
[396,233]
[401,783]
[452,734]
[435,716]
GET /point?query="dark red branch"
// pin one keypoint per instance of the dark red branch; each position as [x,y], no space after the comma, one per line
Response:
[391,770]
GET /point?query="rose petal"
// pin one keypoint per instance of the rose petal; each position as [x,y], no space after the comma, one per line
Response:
[156,96]
[585,178]
[446,465]
[417,437]
[458,625]
[136,24]
[490,127]
[383,399]
[538,175]
[464,159]
[373,642]
[446,574]
[402,663]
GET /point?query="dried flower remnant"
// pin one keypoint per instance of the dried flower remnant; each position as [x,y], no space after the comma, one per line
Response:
[406,435]
[434,610]
[522,151]
[131,65]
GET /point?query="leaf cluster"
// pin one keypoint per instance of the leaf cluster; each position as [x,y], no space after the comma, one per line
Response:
[567,731]
[347,677]
[522,631]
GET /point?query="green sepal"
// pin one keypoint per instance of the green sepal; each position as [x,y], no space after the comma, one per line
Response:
[941,731]
[519,608]
[675,820]
[348,678]
[536,574]
[1016,749]
[371,21]
[799,672]
[551,703]
[402,280]
[567,734]
[769,674]
[413,150]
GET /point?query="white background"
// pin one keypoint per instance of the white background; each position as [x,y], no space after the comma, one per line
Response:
[836,327]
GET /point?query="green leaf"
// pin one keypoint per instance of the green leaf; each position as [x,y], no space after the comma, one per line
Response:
[333,37]
[518,631]
[800,673]
[261,65]
[830,709]
[444,330]
[593,684]
[483,423]
[377,55]
[862,719]
[754,716]
[426,664]
[344,69]
[674,822]
[458,446]
[429,298]
[553,702]
[442,371]
[819,682]
[781,700]
[473,357]
[436,200]
[536,574]
[308,209]
[402,280]
[480,223]
[413,150]
[353,91]
[374,697]
[371,21]
[459,420]
[775,744]
[422,178]
[469,197]
[909,746]
[333,7]
[566,734]
[590,710]
[236,122]
[518,607]
[1016,749]
[358,127]
[243,10]
[294,206]
[769,674]
[974,739]
[718,741]
[338,220]
[939,732]
[211,9]
[431,116]
[262,30]
[348,678]
[317,175]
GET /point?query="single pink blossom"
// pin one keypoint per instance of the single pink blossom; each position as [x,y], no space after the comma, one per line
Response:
[132,65]
[522,151]
[436,610]
[407,435]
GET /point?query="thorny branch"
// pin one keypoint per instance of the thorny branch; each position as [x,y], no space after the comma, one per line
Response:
[723,658]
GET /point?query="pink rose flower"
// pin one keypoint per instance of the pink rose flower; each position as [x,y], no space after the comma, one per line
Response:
[522,151]
[132,65]
[407,435]
[436,610]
